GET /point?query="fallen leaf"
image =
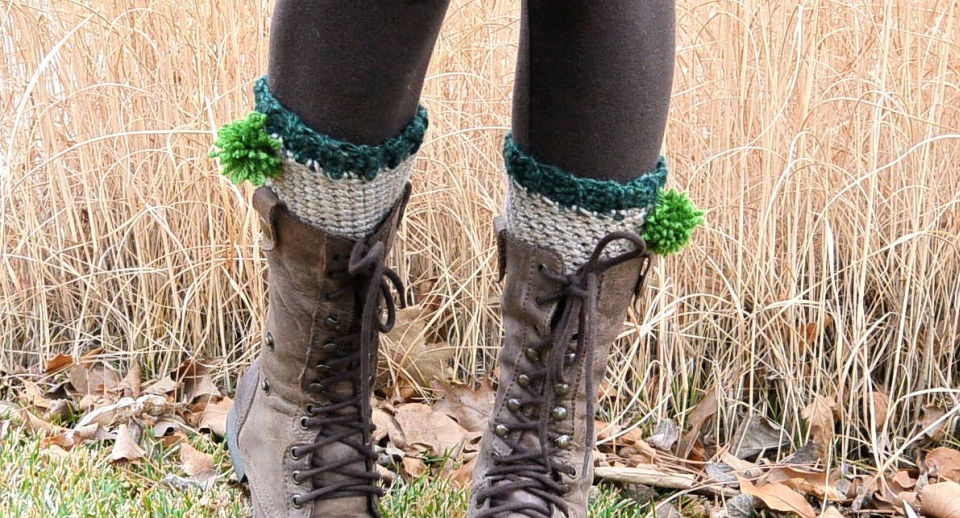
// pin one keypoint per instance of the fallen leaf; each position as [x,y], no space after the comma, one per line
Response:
[704,410]
[665,435]
[463,476]
[126,447]
[779,497]
[162,386]
[881,405]
[58,362]
[214,417]
[408,354]
[831,512]
[469,407]
[819,416]
[92,378]
[413,466]
[434,430]
[194,461]
[196,381]
[756,435]
[130,384]
[33,396]
[666,510]
[944,463]
[928,419]
[941,500]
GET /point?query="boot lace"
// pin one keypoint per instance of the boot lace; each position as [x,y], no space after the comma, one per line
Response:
[349,359]
[534,468]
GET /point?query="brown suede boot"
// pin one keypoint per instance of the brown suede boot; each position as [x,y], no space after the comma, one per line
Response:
[300,431]
[536,458]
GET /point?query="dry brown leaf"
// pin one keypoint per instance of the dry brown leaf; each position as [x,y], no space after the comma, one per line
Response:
[214,417]
[409,355]
[126,447]
[881,404]
[819,415]
[93,378]
[941,500]
[814,483]
[665,435]
[944,463]
[413,466]
[779,497]
[469,407]
[34,424]
[434,430]
[33,396]
[704,410]
[130,384]
[929,417]
[194,461]
[741,467]
[756,435]
[58,362]
[196,381]
[162,386]
[463,476]
[832,512]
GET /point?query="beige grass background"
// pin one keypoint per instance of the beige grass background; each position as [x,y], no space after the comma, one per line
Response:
[821,137]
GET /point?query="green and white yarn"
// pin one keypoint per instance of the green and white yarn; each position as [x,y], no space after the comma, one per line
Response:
[572,233]
[350,206]
[341,187]
[552,208]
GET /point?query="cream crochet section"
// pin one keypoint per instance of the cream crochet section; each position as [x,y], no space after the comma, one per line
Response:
[350,206]
[570,232]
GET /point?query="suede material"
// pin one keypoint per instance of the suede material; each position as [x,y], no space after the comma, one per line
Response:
[273,395]
[524,321]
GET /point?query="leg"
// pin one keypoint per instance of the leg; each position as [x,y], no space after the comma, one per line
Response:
[593,84]
[353,69]
[334,136]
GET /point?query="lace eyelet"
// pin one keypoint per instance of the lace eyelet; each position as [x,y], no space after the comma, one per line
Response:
[558,413]
[311,411]
[501,430]
[513,404]
[293,453]
[303,423]
[332,322]
[541,267]
[296,501]
[296,476]
[268,340]
[265,385]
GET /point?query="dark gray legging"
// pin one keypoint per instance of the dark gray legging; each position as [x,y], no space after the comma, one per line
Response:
[593,76]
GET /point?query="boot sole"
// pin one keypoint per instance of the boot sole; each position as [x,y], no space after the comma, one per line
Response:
[233,447]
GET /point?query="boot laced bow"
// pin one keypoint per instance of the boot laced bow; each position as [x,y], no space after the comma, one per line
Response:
[349,358]
[532,467]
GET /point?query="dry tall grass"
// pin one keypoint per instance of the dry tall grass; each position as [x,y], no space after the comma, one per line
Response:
[822,137]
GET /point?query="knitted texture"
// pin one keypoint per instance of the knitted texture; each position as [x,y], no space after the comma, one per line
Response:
[351,206]
[553,209]
[571,233]
[247,152]
[573,192]
[332,157]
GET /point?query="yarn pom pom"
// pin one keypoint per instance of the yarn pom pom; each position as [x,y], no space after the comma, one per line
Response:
[247,152]
[671,223]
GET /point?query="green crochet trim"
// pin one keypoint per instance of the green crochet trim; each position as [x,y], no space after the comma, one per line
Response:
[567,190]
[247,152]
[669,226]
[336,157]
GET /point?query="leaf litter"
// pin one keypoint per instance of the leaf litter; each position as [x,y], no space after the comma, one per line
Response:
[428,424]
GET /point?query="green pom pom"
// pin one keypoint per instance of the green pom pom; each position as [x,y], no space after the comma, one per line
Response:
[247,152]
[671,223]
